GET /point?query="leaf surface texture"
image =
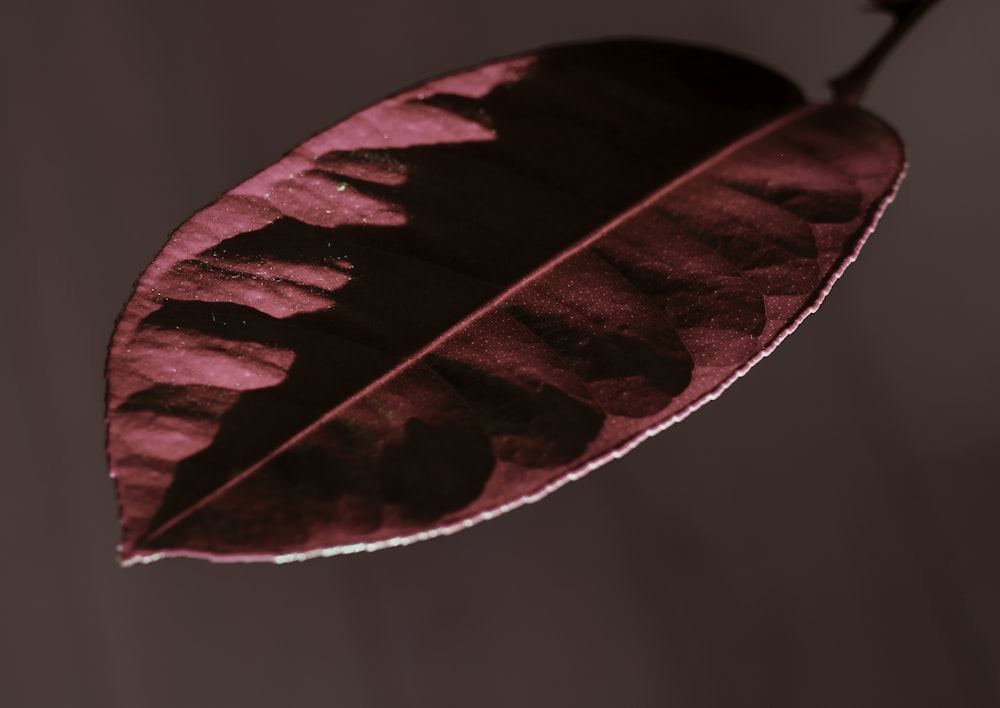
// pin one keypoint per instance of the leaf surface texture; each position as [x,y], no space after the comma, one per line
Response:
[461,297]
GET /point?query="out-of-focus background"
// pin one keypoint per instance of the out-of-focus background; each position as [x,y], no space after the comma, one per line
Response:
[826,534]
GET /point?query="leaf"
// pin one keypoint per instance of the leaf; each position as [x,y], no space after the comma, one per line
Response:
[462,297]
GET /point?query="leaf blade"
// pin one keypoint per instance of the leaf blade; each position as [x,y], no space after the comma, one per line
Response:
[614,366]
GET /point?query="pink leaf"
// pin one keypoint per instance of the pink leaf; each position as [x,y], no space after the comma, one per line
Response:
[460,298]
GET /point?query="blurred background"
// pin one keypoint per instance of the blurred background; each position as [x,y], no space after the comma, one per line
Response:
[825,534]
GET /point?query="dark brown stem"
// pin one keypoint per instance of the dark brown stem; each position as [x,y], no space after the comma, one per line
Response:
[850,86]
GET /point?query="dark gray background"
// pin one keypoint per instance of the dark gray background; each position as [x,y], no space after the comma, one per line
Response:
[823,535]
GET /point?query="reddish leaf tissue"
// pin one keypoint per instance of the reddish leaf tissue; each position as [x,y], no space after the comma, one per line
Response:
[458,299]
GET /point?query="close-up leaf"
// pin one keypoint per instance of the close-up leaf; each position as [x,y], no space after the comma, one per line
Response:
[458,299]
[526,243]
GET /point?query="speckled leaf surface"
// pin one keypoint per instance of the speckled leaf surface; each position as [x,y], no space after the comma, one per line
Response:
[464,296]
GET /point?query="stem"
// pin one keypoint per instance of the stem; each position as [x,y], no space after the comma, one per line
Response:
[850,86]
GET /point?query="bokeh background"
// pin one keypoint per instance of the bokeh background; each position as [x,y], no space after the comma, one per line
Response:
[826,534]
